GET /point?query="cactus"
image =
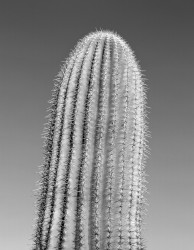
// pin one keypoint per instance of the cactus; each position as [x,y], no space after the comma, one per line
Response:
[92,181]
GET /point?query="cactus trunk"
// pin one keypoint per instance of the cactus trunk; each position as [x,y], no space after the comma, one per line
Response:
[91,190]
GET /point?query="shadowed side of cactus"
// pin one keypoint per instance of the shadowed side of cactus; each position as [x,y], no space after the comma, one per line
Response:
[91,189]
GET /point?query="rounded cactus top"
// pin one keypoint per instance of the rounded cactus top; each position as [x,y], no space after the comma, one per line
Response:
[112,43]
[103,35]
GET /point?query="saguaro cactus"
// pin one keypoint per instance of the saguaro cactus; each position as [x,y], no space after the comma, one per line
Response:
[91,189]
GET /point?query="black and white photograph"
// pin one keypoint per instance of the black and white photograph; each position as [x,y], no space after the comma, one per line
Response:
[96,125]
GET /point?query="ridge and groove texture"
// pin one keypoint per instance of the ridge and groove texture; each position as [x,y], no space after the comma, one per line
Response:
[92,181]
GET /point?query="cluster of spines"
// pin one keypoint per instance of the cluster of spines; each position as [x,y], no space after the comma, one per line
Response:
[91,187]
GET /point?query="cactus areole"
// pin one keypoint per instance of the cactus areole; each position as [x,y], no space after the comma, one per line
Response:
[91,189]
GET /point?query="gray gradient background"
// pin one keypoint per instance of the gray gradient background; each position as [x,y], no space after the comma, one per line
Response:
[35,37]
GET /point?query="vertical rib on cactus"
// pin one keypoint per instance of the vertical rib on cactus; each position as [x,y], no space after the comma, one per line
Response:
[91,190]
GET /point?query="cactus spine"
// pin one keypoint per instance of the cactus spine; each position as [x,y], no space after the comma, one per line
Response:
[92,180]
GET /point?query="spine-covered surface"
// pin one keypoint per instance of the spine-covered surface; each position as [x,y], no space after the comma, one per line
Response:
[91,189]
